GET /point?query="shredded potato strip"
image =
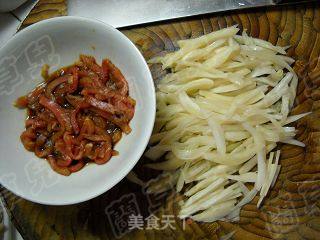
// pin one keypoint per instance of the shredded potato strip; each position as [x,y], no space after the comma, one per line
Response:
[220,113]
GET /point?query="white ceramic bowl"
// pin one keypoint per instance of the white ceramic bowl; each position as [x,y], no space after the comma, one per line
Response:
[58,42]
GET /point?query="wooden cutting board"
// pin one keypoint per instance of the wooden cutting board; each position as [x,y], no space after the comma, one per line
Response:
[292,209]
[45,9]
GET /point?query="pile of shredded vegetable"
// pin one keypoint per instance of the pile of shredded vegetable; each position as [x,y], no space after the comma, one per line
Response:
[77,115]
[220,114]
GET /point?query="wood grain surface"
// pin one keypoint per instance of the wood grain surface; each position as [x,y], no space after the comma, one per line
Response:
[292,209]
[45,9]
[1,221]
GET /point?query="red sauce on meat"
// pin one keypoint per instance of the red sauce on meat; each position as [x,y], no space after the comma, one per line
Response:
[77,115]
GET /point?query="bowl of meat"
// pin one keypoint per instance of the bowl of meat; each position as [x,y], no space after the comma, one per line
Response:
[77,110]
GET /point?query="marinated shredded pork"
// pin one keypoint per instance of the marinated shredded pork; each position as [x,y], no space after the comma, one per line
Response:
[77,115]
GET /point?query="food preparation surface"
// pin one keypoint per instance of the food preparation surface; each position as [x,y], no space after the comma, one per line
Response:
[291,211]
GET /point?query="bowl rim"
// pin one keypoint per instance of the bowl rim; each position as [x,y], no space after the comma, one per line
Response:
[145,140]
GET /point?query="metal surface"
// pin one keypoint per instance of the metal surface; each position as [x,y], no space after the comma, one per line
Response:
[121,13]
[23,11]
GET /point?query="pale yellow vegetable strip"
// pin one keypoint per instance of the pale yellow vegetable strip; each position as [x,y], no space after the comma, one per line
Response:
[230,159]
[265,55]
[228,193]
[200,141]
[181,180]
[233,65]
[257,137]
[157,137]
[293,142]
[169,98]
[215,212]
[163,183]
[285,107]
[168,165]
[218,135]
[236,158]
[192,73]
[168,111]
[226,88]
[276,93]
[190,154]
[220,182]
[272,169]
[256,98]
[244,98]
[208,39]
[212,106]
[259,71]
[269,134]
[266,81]
[176,122]
[178,130]
[199,54]
[245,177]
[188,104]
[214,96]
[262,43]
[277,171]
[200,84]
[289,60]
[244,188]
[187,211]
[132,176]
[247,166]
[232,146]
[248,143]
[246,86]
[192,172]
[294,118]
[201,185]
[262,172]
[216,171]
[220,57]
[157,151]
[247,198]
[236,135]
[261,154]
